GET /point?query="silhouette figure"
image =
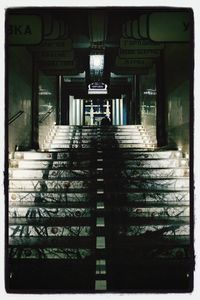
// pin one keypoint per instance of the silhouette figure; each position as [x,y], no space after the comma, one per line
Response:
[105,121]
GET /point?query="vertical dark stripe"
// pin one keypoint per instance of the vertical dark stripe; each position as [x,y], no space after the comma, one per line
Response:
[67,108]
[161,109]
[34,104]
[64,106]
[57,100]
[137,100]
[6,164]
[191,147]
[133,103]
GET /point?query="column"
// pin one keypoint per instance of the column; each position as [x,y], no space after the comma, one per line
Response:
[117,111]
[121,111]
[78,112]
[71,110]
[91,114]
[59,98]
[81,111]
[137,100]
[161,108]
[113,112]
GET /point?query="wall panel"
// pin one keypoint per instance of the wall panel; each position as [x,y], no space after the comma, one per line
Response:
[19,97]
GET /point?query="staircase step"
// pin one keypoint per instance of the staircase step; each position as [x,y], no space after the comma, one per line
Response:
[58,164]
[123,153]
[52,184]
[48,231]
[50,174]
[158,196]
[53,155]
[93,145]
[88,135]
[151,183]
[150,172]
[69,221]
[156,230]
[150,204]
[99,128]
[49,253]
[48,212]
[44,185]
[132,154]
[58,205]
[73,140]
[83,174]
[154,163]
[36,211]
[149,221]
[156,212]
[150,255]
[50,197]
[128,242]
[53,242]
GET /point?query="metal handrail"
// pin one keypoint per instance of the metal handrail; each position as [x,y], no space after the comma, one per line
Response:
[15,117]
[46,115]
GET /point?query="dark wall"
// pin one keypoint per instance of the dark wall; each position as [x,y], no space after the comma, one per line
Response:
[19,96]
[177,75]
[47,101]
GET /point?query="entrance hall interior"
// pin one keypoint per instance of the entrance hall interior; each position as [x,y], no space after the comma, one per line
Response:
[99,107]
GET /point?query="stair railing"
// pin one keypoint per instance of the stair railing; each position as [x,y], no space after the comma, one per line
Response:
[46,115]
[15,117]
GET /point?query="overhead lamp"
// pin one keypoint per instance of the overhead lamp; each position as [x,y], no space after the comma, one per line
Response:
[96,62]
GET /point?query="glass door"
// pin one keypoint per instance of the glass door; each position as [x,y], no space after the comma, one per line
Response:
[96,110]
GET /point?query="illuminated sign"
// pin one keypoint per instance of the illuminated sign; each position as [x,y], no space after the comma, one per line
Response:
[97,88]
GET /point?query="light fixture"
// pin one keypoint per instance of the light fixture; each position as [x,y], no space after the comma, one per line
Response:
[97,88]
[97,62]
[178,154]
[186,155]
[44,92]
[180,148]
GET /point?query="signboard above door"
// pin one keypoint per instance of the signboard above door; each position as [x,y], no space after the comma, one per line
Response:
[97,88]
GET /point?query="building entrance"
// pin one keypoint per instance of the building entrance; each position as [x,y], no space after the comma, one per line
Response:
[96,110]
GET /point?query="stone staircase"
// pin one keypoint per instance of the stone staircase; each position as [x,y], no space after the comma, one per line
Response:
[99,209]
